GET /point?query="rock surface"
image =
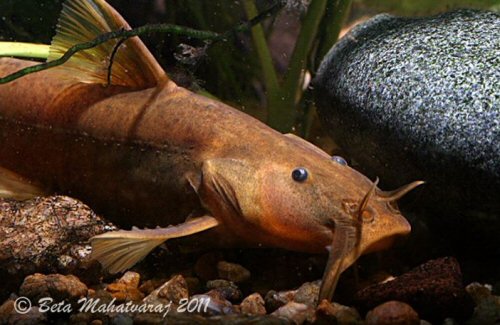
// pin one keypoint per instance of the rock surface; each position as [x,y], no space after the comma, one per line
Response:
[419,98]
[423,93]
[434,289]
[46,235]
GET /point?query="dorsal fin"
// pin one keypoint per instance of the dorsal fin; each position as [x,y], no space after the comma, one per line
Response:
[82,21]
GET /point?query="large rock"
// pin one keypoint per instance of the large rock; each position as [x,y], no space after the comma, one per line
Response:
[419,98]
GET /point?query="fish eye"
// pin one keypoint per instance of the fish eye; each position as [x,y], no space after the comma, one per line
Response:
[299,174]
[339,160]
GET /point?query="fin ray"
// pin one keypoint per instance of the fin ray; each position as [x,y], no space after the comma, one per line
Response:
[120,250]
[82,21]
[16,187]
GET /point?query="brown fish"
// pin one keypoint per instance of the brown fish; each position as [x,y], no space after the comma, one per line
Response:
[146,152]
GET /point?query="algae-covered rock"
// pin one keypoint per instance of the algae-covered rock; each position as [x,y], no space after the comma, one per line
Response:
[419,99]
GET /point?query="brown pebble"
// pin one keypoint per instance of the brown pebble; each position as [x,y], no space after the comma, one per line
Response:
[333,313]
[275,300]
[308,293]
[174,289]
[253,305]
[295,312]
[56,286]
[171,291]
[227,289]
[123,292]
[131,279]
[5,310]
[217,304]
[392,313]
[232,272]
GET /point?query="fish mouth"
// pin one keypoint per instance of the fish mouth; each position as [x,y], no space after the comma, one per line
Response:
[399,230]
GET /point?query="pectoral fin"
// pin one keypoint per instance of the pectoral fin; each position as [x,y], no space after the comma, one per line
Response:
[120,250]
[16,187]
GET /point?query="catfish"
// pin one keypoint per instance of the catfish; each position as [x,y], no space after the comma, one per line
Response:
[145,152]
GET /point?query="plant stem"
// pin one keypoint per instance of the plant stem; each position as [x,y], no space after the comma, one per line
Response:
[336,14]
[122,33]
[26,50]
[266,62]
[283,116]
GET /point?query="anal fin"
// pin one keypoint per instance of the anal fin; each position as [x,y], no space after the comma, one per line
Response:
[16,187]
[120,250]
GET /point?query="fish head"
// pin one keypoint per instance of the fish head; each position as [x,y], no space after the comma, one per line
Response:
[297,197]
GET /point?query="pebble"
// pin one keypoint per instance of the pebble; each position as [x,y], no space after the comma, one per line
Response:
[296,312]
[487,309]
[123,292]
[217,305]
[392,313]
[232,272]
[57,286]
[227,289]
[275,300]
[126,288]
[131,279]
[334,313]
[308,293]
[173,291]
[253,304]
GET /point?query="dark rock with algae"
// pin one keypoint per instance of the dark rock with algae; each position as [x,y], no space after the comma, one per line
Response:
[419,99]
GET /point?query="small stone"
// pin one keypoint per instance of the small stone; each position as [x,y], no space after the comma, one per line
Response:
[217,304]
[487,309]
[174,289]
[253,305]
[66,263]
[33,317]
[308,293]
[122,319]
[123,292]
[56,286]
[5,310]
[295,312]
[232,272]
[392,313]
[131,279]
[171,291]
[275,300]
[478,291]
[328,313]
[227,289]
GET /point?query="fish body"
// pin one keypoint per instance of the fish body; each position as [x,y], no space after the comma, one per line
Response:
[146,152]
